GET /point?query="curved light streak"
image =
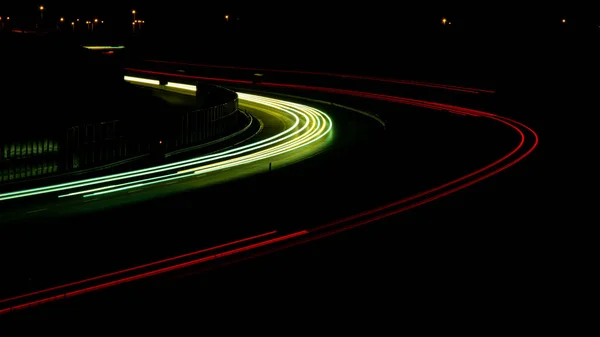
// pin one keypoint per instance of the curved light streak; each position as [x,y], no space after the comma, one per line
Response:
[309,126]
[103,47]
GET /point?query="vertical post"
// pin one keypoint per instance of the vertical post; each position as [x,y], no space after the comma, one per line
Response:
[199,95]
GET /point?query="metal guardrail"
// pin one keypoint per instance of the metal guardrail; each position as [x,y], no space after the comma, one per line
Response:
[88,147]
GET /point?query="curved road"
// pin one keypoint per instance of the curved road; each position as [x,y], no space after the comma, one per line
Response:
[526,140]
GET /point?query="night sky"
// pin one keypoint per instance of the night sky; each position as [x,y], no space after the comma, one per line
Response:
[298,15]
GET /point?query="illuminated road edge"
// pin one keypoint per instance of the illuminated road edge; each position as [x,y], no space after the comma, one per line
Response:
[528,142]
[310,125]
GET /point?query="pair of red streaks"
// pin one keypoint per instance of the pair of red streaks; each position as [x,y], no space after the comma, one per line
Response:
[322,231]
[162,270]
[430,195]
[355,77]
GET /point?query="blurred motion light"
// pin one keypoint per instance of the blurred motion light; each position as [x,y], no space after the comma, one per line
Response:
[181,86]
[141,80]
[103,47]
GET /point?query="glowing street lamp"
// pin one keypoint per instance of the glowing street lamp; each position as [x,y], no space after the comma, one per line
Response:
[564,21]
[42,12]
[444,21]
[95,20]
[62,19]
[226,17]
[134,20]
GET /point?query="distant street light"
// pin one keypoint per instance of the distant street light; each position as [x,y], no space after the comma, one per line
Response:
[62,19]
[226,17]
[564,21]
[95,20]
[42,12]
[444,21]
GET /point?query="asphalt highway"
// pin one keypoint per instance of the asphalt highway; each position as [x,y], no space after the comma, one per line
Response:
[521,142]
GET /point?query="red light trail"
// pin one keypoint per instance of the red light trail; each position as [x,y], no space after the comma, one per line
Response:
[528,142]
[356,77]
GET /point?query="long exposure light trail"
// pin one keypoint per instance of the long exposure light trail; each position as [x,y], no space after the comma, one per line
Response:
[320,73]
[103,47]
[309,126]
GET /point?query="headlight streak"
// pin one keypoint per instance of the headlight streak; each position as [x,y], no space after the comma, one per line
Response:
[157,169]
[315,133]
[309,125]
[181,86]
[103,47]
[141,80]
